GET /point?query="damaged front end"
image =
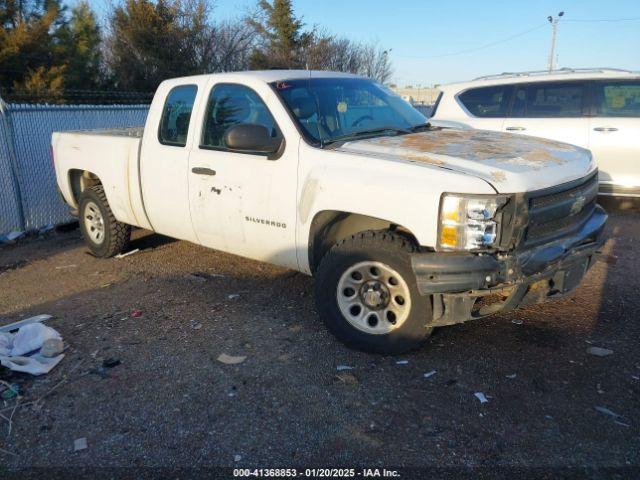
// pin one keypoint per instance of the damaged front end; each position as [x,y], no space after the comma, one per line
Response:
[547,241]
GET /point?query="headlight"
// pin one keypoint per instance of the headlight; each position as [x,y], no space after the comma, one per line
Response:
[468,222]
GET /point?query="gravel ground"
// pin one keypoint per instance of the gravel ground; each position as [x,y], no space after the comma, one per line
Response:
[172,404]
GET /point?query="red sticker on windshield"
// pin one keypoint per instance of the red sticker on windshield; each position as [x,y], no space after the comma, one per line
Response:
[282,85]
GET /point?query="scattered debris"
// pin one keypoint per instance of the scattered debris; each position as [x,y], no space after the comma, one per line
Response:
[402,362]
[516,321]
[12,390]
[197,326]
[480,396]
[63,267]
[122,255]
[79,444]
[347,378]
[608,259]
[203,276]
[100,371]
[231,359]
[340,368]
[512,376]
[8,452]
[110,363]
[618,419]
[136,313]
[11,237]
[237,458]
[599,351]
[430,374]
[233,296]
[16,325]
[606,411]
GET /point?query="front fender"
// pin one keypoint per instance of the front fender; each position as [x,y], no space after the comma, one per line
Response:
[405,193]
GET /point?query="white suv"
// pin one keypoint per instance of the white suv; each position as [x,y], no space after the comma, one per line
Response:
[598,109]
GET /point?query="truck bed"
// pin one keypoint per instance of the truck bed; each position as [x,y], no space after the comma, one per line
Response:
[111,155]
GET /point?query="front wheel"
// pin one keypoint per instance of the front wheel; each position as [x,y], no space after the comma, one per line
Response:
[104,235]
[367,295]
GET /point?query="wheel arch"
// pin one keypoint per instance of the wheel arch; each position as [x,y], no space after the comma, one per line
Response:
[328,227]
[79,180]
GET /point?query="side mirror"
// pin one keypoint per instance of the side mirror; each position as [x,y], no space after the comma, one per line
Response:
[251,138]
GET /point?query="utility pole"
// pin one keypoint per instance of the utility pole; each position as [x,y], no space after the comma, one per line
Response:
[554,29]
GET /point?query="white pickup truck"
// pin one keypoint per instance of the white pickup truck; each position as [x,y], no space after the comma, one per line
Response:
[406,226]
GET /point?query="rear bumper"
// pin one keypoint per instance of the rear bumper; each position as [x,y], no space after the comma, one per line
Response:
[466,286]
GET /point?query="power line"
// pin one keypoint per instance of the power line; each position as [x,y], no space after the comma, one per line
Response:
[586,20]
[482,47]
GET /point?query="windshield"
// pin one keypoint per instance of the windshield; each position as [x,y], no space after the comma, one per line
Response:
[334,109]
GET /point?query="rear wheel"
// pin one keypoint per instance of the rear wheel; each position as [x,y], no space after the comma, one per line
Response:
[104,235]
[367,295]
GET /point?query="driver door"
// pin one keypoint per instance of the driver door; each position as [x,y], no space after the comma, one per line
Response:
[242,203]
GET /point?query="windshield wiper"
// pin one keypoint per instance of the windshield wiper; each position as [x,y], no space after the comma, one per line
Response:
[361,133]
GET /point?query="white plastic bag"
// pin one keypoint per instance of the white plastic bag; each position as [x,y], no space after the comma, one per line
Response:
[31,337]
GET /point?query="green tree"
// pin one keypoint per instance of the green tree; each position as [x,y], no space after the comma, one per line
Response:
[79,49]
[152,41]
[27,41]
[283,39]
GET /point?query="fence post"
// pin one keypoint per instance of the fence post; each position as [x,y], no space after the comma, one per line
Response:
[5,121]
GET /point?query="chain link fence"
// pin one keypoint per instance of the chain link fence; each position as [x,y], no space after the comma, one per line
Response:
[29,198]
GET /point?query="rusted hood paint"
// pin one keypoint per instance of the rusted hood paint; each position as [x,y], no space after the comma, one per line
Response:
[511,163]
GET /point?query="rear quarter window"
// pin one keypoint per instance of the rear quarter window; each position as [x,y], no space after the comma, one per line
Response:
[618,99]
[176,115]
[487,101]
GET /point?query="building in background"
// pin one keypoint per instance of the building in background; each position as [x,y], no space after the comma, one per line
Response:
[417,95]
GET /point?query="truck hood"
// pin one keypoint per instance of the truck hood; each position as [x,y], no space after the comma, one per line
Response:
[510,163]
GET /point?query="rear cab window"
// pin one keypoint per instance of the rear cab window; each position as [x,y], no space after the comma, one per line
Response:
[549,100]
[176,115]
[487,102]
[617,98]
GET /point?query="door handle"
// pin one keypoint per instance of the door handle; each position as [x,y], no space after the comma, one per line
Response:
[606,129]
[515,129]
[203,171]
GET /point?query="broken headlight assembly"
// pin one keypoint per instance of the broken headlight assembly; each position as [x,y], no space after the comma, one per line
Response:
[469,222]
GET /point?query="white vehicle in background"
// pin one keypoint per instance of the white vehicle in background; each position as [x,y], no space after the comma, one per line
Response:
[405,226]
[597,109]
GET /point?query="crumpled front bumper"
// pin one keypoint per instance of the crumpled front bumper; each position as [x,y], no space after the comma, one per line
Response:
[466,286]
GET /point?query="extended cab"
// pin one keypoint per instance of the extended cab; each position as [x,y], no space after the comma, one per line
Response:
[405,226]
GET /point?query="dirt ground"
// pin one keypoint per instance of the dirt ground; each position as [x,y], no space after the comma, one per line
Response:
[171,404]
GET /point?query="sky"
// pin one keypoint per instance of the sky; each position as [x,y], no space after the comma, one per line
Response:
[433,42]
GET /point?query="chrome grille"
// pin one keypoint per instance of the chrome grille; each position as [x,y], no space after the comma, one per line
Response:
[558,213]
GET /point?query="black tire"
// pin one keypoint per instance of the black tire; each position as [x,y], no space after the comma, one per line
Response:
[116,235]
[393,250]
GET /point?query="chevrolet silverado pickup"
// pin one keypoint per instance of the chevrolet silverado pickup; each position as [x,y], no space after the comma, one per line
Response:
[405,225]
